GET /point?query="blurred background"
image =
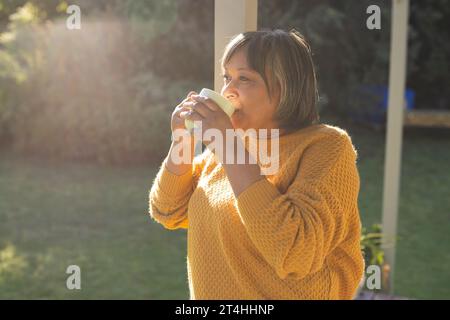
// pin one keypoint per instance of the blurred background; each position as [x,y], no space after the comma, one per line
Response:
[85,124]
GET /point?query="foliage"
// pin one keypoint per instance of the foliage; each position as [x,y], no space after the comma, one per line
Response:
[348,55]
[429,52]
[371,241]
[106,92]
[93,94]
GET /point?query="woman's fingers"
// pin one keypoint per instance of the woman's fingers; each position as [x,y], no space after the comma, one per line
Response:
[176,120]
[187,99]
[191,93]
[207,102]
[200,108]
[191,115]
[185,108]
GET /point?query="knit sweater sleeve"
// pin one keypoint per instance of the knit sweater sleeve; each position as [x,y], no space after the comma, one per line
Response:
[297,229]
[170,193]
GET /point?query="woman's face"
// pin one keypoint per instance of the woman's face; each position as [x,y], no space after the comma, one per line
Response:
[246,90]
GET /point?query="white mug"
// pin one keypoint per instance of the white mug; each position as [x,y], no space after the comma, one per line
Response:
[221,101]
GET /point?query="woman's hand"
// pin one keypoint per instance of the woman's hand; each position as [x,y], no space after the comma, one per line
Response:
[209,113]
[188,145]
[240,176]
[177,122]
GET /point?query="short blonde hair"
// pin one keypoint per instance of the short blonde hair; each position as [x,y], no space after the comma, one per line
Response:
[284,61]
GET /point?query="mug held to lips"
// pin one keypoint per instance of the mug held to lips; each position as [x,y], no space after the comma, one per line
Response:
[221,101]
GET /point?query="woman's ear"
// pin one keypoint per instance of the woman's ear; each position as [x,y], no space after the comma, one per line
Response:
[276,95]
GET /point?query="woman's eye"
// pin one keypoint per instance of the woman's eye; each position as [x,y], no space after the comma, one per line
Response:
[242,78]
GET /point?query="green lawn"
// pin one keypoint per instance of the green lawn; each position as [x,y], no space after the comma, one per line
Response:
[55,215]
[52,216]
[423,251]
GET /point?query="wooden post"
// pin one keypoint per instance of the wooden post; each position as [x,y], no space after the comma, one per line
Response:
[231,17]
[392,169]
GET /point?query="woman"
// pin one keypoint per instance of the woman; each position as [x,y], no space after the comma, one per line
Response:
[291,235]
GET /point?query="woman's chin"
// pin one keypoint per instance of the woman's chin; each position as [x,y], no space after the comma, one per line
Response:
[236,124]
[236,120]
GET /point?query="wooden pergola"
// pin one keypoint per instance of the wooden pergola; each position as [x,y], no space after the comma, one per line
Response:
[244,13]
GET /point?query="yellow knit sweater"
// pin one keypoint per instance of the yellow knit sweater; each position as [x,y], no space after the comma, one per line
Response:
[292,235]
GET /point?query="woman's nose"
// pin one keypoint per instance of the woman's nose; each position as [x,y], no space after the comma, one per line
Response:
[228,91]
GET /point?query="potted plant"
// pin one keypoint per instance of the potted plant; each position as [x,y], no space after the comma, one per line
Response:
[371,246]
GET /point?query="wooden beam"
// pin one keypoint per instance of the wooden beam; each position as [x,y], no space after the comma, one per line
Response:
[428,118]
[392,169]
[231,17]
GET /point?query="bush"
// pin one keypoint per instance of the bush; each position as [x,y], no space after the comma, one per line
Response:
[348,55]
[89,94]
[371,241]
